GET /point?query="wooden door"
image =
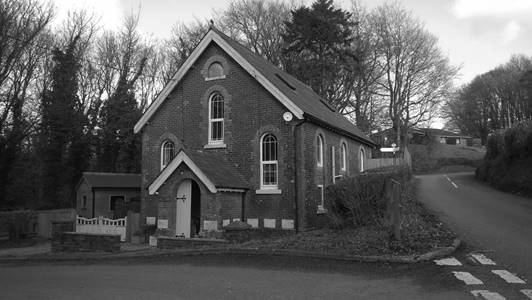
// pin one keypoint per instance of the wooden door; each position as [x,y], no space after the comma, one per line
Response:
[183,201]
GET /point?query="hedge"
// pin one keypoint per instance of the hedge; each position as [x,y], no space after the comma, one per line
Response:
[508,161]
[359,200]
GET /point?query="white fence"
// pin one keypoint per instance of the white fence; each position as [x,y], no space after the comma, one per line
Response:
[404,159]
[102,225]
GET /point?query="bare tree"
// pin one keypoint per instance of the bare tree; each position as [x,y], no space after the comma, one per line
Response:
[258,25]
[22,24]
[417,76]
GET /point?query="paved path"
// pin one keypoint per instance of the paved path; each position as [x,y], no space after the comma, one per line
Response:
[232,277]
[494,224]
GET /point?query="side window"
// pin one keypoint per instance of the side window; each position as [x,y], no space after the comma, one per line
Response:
[319,151]
[114,201]
[361,159]
[84,202]
[167,153]
[344,156]
[268,161]
[215,70]
[216,119]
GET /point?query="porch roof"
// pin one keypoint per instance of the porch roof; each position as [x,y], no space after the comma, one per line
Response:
[212,169]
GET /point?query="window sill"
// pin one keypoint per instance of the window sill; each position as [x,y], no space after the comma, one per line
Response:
[215,146]
[321,210]
[215,78]
[268,192]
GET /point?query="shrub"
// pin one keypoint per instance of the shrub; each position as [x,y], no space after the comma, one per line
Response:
[20,224]
[359,200]
[508,164]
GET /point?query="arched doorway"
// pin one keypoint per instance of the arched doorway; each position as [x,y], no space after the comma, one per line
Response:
[188,209]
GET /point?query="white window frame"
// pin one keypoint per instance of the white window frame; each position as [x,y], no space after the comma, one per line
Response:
[162,153]
[321,204]
[269,162]
[361,156]
[211,121]
[319,158]
[343,153]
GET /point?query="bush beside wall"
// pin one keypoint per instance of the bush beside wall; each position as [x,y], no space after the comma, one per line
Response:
[508,161]
[360,200]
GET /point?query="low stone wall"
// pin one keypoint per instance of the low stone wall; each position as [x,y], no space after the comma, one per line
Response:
[239,236]
[85,242]
[59,227]
[173,243]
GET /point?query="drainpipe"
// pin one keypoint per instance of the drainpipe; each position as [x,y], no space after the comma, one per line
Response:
[296,168]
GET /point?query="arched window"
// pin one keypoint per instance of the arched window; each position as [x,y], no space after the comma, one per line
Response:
[216,119]
[167,153]
[319,151]
[361,159]
[215,70]
[344,156]
[268,161]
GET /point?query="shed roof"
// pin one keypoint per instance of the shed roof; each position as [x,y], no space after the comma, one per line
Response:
[113,180]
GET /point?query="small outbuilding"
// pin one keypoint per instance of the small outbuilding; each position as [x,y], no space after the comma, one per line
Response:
[110,195]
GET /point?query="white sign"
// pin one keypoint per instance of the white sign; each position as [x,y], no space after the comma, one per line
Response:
[389,149]
[162,224]
[150,220]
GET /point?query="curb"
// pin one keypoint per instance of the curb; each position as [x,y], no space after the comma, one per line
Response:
[241,251]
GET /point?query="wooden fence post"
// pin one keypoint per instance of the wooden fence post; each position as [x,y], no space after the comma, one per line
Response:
[393,193]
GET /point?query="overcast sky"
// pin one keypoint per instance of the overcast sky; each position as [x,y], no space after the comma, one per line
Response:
[476,34]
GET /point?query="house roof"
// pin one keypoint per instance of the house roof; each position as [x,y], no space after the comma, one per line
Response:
[440,132]
[212,169]
[113,180]
[296,96]
[430,131]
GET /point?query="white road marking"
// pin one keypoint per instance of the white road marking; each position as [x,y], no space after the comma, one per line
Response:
[482,259]
[449,261]
[527,293]
[467,278]
[449,179]
[487,295]
[509,277]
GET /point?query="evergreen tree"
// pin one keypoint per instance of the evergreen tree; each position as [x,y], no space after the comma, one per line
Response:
[63,147]
[318,43]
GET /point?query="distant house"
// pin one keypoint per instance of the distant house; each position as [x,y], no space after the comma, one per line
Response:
[109,195]
[441,136]
[232,137]
[423,136]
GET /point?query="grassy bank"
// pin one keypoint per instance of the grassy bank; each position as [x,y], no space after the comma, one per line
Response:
[421,232]
[435,157]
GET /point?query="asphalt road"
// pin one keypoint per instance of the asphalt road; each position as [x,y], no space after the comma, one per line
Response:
[498,223]
[232,277]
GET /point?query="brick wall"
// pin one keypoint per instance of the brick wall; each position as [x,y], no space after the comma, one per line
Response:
[85,242]
[250,111]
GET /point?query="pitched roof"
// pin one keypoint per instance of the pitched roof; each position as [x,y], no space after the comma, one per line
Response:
[441,132]
[113,180]
[296,96]
[212,169]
